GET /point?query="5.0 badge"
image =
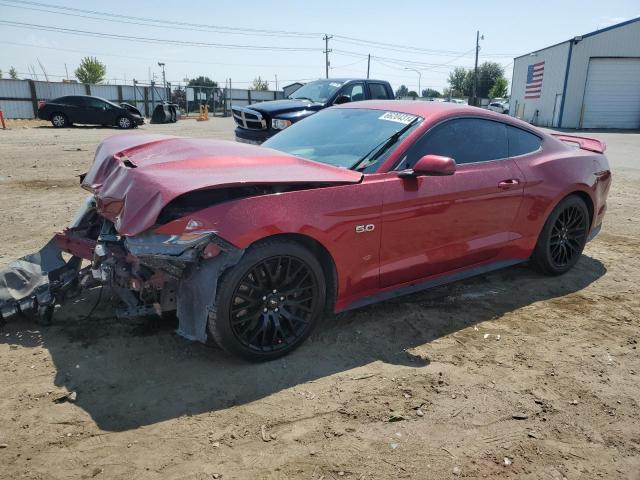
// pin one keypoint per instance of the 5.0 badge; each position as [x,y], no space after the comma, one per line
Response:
[370,227]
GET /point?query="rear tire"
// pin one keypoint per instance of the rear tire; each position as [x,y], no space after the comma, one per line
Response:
[269,302]
[563,237]
[59,120]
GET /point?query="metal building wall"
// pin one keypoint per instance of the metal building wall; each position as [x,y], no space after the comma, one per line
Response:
[555,63]
[108,92]
[51,90]
[10,91]
[622,41]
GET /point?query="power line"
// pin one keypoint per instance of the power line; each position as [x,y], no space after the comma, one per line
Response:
[128,19]
[347,65]
[226,29]
[398,61]
[172,60]
[407,48]
[141,23]
[131,38]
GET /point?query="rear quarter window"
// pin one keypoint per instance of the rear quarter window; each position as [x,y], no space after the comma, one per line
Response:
[378,91]
[522,142]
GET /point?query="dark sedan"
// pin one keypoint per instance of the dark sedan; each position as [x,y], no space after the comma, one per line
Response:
[84,109]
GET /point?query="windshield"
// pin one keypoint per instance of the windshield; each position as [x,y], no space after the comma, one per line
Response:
[344,136]
[319,91]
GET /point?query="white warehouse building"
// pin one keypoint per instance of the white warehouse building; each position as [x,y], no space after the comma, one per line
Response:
[590,81]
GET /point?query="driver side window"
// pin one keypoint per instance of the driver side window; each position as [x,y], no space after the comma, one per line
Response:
[466,140]
[94,102]
[355,92]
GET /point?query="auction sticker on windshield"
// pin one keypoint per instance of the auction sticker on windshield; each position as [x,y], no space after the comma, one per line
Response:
[404,118]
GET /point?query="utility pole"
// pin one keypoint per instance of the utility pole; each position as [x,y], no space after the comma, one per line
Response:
[276,82]
[164,81]
[368,65]
[475,69]
[326,39]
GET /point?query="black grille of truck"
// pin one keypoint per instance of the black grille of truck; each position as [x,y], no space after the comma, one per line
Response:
[248,118]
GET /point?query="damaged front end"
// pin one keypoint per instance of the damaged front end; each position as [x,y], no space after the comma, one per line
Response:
[152,273]
[139,183]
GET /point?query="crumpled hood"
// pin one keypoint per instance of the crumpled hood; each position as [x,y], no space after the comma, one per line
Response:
[134,176]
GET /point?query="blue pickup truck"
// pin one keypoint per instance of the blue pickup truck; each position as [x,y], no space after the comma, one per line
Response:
[259,121]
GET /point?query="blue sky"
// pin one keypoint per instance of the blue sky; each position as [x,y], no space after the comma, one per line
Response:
[439,36]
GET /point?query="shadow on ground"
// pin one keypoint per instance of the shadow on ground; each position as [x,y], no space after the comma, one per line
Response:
[127,377]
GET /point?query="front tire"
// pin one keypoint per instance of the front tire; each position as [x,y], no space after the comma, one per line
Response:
[124,123]
[270,302]
[563,237]
[59,120]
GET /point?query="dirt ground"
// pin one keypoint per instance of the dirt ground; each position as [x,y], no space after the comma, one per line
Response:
[507,375]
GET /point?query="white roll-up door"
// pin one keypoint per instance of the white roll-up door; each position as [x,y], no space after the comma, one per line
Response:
[612,93]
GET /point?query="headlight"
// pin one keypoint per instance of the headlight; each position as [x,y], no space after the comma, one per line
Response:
[150,243]
[279,124]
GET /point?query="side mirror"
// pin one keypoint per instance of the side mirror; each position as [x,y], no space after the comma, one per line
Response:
[341,99]
[432,165]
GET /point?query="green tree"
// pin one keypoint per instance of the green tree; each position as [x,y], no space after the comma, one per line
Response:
[0,73]
[457,81]
[403,91]
[467,91]
[499,89]
[488,74]
[13,73]
[91,70]
[259,84]
[431,93]
[461,80]
[413,94]
[202,81]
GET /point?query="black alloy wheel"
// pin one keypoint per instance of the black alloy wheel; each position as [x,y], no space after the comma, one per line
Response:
[268,303]
[274,303]
[563,237]
[568,236]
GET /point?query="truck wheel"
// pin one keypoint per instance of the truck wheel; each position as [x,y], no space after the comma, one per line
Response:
[563,237]
[268,303]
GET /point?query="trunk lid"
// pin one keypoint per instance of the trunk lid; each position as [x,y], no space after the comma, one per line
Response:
[134,176]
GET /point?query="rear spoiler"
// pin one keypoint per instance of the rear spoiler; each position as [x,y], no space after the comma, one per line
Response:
[584,143]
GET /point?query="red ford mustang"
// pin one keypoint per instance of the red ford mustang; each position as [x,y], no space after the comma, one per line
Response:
[356,204]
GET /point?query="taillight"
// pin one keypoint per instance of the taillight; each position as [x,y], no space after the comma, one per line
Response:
[41,104]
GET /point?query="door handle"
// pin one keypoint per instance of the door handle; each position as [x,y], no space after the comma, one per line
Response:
[507,184]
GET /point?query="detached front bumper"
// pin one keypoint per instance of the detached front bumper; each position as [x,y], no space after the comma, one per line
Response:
[35,282]
[151,273]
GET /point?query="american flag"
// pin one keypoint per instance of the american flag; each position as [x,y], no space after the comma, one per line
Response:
[533,87]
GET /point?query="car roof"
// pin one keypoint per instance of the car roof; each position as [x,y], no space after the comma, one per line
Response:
[434,112]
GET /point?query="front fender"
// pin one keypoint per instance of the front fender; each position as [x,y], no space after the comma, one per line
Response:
[328,215]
